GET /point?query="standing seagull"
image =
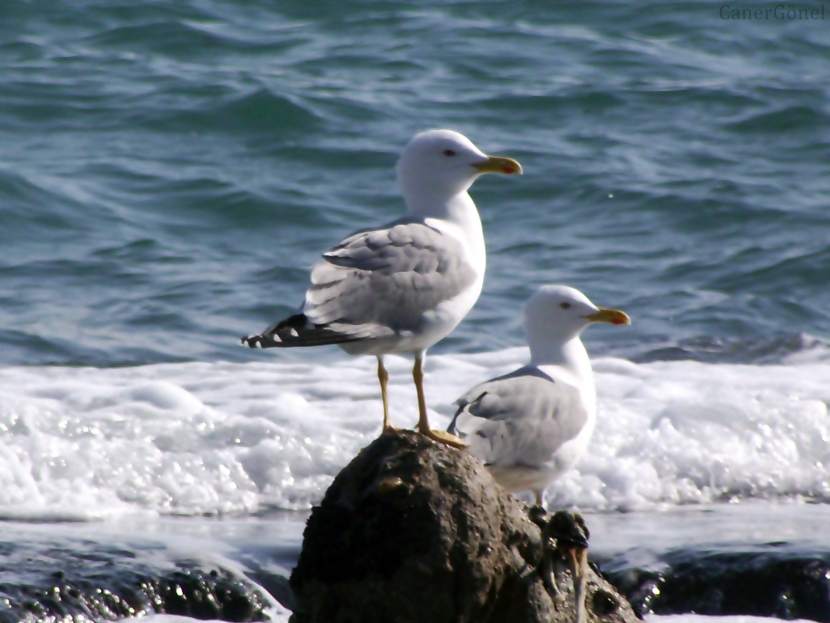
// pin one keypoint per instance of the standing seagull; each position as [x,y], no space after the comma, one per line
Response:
[531,426]
[402,287]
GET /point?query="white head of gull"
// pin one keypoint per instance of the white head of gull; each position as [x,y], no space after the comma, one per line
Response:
[402,287]
[531,426]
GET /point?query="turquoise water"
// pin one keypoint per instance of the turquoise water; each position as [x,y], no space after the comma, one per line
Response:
[169,170]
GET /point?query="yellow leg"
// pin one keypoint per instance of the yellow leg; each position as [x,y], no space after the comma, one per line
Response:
[383,377]
[578,563]
[423,421]
[418,377]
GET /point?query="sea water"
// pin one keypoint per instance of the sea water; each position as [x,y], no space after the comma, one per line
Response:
[169,172]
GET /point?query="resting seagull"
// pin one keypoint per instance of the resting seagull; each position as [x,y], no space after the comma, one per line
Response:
[402,287]
[531,426]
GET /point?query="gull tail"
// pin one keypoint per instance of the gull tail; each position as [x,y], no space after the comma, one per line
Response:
[298,330]
[464,404]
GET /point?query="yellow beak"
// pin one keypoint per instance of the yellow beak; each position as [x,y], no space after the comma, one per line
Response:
[498,164]
[614,316]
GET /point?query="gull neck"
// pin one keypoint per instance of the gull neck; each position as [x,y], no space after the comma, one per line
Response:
[570,355]
[460,213]
[458,208]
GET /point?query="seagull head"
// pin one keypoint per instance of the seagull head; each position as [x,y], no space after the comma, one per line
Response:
[443,163]
[561,313]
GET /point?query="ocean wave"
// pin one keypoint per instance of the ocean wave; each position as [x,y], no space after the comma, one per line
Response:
[264,111]
[797,347]
[787,120]
[184,39]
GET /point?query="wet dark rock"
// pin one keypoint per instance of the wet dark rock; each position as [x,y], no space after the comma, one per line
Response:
[97,582]
[604,603]
[414,531]
[782,584]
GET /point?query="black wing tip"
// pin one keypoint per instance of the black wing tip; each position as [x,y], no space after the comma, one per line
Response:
[258,341]
[464,405]
[271,338]
[453,427]
[297,321]
[297,330]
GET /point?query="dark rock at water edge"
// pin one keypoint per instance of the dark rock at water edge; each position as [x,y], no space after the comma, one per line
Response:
[96,582]
[777,582]
[414,531]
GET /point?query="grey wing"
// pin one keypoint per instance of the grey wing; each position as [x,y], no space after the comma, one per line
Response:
[519,419]
[374,284]
[386,279]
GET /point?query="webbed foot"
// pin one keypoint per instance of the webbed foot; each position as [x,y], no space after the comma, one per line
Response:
[444,437]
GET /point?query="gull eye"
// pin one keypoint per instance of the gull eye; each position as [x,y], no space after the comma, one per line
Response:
[565,305]
[449,153]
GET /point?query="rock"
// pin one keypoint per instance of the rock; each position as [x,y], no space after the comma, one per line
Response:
[778,581]
[413,531]
[101,582]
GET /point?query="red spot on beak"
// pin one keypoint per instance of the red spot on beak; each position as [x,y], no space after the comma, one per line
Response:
[508,170]
[618,321]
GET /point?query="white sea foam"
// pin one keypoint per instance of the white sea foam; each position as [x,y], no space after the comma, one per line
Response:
[199,438]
